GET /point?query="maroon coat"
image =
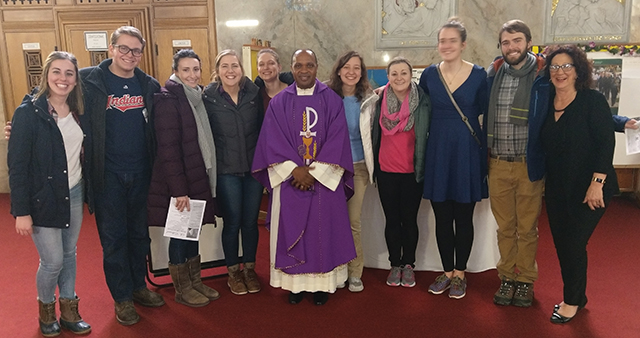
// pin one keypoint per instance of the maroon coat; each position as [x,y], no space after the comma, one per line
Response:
[179,168]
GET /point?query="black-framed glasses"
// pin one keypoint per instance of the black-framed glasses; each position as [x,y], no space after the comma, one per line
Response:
[565,68]
[124,50]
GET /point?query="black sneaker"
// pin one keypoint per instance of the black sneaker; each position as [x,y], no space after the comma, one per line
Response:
[504,295]
[523,296]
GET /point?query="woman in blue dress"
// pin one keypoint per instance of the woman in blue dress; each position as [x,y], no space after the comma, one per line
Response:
[455,167]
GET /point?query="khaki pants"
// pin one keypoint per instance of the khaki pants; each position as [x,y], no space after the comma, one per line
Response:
[516,203]
[360,181]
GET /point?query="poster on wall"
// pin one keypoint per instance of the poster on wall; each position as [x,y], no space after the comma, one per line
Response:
[410,23]
[607,79]
[626,98]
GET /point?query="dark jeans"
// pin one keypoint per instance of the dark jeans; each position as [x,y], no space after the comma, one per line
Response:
[400,196]
[121,216]
[239,198]
[181,250]
[450,241]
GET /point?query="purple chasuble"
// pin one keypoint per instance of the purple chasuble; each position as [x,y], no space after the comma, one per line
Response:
[314,233]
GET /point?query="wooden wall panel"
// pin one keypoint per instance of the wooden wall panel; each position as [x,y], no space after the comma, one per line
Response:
[27,15]
[199,43]
[17,72]
[73,23]
[180,12]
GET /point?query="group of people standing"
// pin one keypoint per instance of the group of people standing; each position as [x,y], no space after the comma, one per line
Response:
[111,136]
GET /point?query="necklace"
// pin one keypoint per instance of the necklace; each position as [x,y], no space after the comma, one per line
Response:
[454,75]
[572,95]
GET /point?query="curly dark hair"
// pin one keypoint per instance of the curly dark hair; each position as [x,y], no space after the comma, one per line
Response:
[582,65]
[335,82]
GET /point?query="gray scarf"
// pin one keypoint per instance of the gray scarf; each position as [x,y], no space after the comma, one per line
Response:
[205,136]
[519,114]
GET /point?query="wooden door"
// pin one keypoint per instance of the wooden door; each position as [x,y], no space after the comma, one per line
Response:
[198,41]
[73,23]
[23,71]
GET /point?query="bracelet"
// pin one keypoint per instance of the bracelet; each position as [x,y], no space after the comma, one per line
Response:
[598,180]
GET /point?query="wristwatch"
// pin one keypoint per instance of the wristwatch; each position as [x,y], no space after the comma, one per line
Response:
[598,179]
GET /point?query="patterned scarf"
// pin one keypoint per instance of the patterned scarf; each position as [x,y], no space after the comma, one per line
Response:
[398,116]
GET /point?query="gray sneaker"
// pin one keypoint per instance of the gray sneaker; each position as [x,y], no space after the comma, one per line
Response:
[408,277]
[458,288]
[394,276]
[355,284]
[441,284]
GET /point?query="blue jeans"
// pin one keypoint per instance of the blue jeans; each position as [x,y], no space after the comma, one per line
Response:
[181,250]
[57,250]
[239,198]
[121,216]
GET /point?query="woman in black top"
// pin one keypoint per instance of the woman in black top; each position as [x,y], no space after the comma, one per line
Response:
[578,140]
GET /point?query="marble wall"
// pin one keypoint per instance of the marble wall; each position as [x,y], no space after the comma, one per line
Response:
[331,27]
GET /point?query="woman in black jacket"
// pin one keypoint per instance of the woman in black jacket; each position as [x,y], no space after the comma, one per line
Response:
[45,176]
[234,107]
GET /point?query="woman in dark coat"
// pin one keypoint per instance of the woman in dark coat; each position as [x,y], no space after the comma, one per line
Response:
[578,140]
[47,186]
[185,168]
[234,106]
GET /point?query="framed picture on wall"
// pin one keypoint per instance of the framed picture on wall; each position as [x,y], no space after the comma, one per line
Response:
[410,23]
[580,21]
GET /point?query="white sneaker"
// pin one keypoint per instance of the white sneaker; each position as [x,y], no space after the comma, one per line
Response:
[341,285]
[355,284]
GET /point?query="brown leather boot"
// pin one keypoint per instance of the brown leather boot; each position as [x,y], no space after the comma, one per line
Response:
[185,294]
[196,280]
[251,278]
[236,282]
[49,326]
[70,318]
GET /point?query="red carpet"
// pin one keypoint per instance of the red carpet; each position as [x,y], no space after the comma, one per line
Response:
[379,311]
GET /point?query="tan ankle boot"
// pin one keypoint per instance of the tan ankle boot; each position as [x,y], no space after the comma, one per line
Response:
[251,278]
[236,282]
[70,317]
[185,294]
[49,326]
[196,281]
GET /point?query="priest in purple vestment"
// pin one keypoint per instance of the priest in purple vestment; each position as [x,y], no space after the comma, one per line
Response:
[303,158]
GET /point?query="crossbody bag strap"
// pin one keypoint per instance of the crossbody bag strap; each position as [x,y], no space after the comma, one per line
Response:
[455,104]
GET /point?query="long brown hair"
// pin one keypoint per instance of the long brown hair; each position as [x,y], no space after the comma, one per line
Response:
[335,82]
[74,100]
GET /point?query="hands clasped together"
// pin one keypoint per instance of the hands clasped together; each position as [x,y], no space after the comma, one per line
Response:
[302,179]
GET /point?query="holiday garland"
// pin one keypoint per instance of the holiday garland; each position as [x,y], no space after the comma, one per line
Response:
[630,50]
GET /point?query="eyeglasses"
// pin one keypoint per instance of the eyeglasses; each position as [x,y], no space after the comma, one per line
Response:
[565,68]
[124,50]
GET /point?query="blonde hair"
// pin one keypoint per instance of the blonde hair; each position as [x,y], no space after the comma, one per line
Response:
[215,76]
[74,100]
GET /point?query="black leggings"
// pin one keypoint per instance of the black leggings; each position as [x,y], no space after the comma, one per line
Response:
[400,196]
[450,241]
